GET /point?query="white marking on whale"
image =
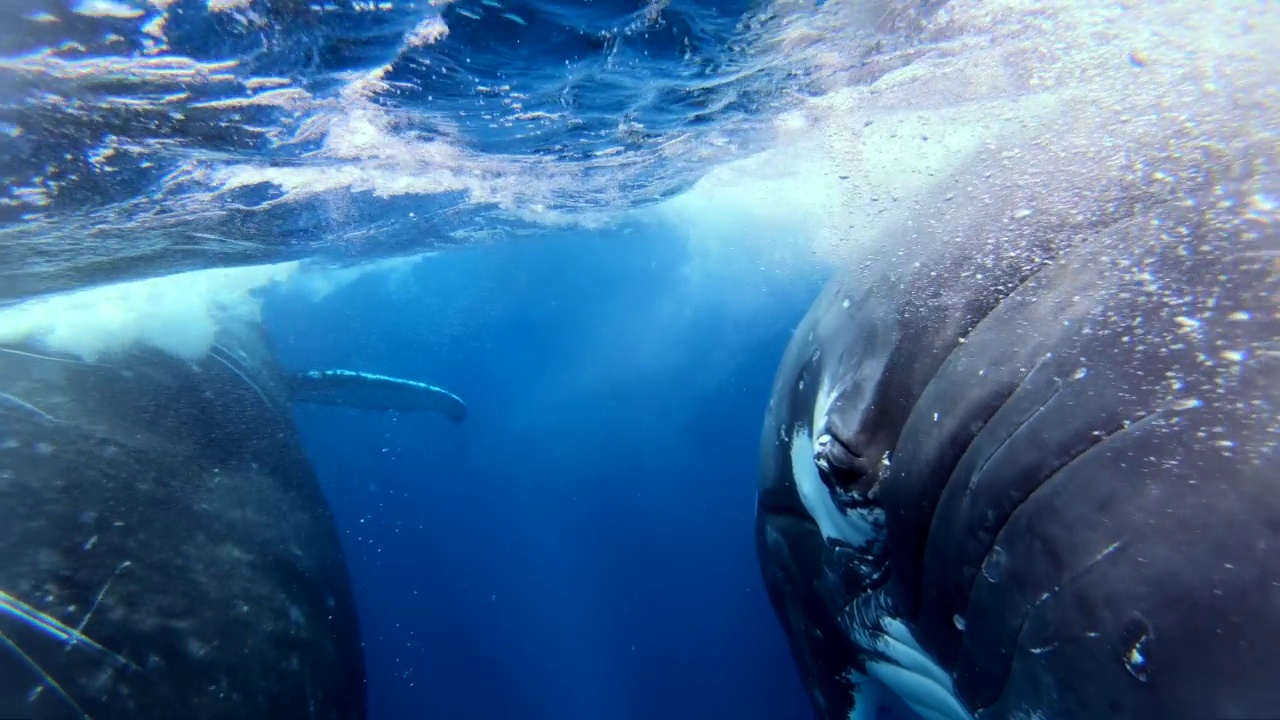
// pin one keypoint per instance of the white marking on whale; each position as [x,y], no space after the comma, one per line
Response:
[352,388]
[857,528]
[901,666]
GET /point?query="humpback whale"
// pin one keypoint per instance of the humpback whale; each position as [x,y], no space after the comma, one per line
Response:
[167,548]
[1020,457]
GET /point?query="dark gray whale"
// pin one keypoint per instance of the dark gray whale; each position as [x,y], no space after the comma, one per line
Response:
[1061,501]
[167,549]
[1021,456]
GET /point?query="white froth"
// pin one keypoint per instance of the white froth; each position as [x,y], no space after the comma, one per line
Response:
[779,195]
[115,68]
[178,314]
[106,8]
[217,6]
[1015,104]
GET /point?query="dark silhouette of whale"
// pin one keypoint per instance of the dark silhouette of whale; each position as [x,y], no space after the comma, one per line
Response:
[1021,456]
[167,549]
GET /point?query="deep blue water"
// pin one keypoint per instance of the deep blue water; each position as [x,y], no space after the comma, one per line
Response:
[582,545]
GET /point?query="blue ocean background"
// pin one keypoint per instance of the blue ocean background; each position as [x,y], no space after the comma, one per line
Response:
[582,545]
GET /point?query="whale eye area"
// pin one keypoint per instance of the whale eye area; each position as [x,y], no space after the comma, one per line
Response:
[842,468]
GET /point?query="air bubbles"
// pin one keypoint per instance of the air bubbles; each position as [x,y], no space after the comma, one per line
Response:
[1189,323]
[993,566]
[1135,641]
[106,9]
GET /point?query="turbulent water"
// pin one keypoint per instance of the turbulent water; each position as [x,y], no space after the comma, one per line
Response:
[140,137]
[143,138]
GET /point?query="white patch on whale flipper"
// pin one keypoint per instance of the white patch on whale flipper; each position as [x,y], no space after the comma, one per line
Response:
[898,662]
[927,699]
[857,528]
[352,388]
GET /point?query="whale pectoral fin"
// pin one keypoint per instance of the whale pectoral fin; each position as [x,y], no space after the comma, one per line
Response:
[351,388]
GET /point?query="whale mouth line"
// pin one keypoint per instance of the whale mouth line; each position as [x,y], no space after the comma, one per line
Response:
[847,448]
[843,469]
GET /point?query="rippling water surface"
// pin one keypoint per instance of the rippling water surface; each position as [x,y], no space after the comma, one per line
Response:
[147,136]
